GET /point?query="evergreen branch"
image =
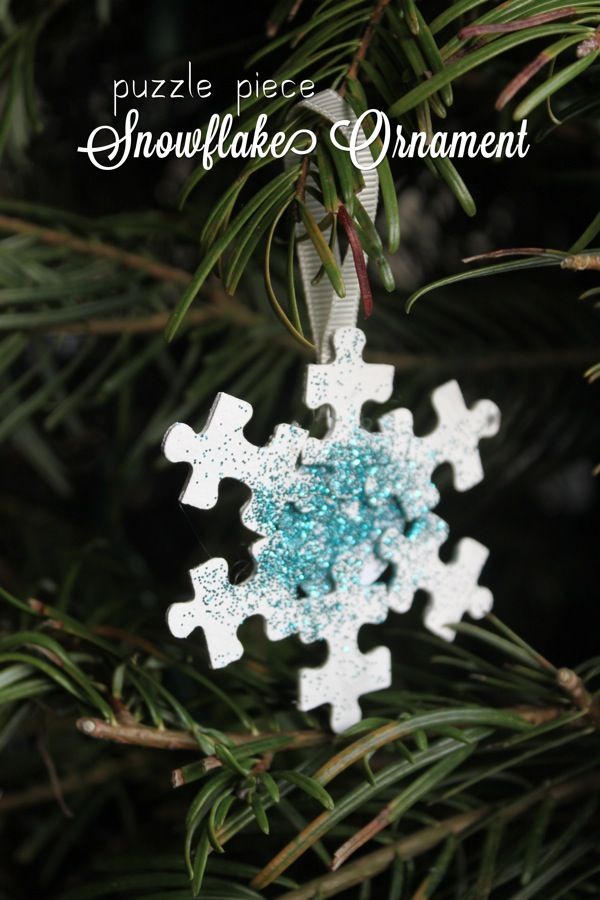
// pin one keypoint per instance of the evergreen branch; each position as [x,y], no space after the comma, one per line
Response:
[221,309]
[77,402]
[136,261]
[165,739]
[414,845]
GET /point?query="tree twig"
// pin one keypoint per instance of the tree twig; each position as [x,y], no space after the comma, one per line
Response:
[580,262]
[56,785]
[164,739]
[570,682]
[361,52]
[138,735]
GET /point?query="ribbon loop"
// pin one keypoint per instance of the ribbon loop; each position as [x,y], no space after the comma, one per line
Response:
[327,312]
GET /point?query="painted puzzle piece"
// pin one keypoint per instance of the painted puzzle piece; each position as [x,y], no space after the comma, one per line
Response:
[333,514]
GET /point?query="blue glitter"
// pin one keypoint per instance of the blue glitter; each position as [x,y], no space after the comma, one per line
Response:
[338,511]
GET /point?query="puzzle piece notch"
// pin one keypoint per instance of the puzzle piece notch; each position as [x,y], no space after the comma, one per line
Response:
[215,609]
[221,451]
[452,587]
[277,470]
[406,553]
[459,430]
[454,590]
[415,457]
[347,673]
[347,383]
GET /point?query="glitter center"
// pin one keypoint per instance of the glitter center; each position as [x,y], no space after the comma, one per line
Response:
[326,535]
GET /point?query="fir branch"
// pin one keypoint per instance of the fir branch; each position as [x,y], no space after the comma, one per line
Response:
[143,264]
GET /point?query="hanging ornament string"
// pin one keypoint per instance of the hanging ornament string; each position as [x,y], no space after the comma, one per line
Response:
[326,310]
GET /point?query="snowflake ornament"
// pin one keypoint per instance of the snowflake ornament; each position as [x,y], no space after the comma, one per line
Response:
[333,515]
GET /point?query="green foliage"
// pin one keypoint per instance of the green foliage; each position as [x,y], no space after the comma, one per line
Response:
[485,763]
[396,48]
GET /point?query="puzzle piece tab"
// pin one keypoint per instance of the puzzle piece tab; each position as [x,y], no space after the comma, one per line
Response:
[459,430]
[348,673]
[347,383]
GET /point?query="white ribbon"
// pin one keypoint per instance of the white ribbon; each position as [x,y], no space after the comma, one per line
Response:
[327,312]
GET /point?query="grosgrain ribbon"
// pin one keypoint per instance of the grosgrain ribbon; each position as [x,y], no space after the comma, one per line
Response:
[327,312]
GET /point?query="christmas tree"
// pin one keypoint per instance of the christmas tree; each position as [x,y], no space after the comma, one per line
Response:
[137,286]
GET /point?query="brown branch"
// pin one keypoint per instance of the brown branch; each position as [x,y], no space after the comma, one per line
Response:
[222,305]
[361,52]
[138,735]
[164,739]
[55,783]
[414,845]
[570,682]
[144,264]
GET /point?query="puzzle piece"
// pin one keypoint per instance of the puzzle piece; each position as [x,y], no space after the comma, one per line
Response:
[416,460]
[221,451]
[454,590]
[452,586]
[347,383]
[214,608]
[459,431]
[348,673]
